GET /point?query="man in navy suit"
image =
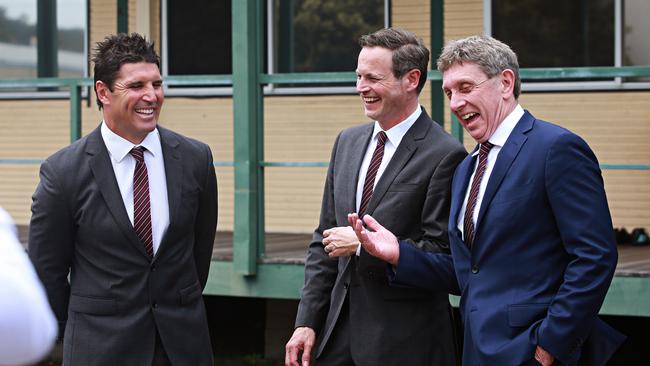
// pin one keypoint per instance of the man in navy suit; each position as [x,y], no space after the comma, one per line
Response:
[532,245]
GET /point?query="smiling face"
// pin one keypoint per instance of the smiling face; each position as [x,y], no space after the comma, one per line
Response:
[479,102]
[386,99]
[132,108]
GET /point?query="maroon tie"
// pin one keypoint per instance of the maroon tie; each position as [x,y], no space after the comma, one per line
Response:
[141,205]
[468,221]
[375,162]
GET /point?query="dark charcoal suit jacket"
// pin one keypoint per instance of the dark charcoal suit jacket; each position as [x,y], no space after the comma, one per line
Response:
[389,325]
[116,296]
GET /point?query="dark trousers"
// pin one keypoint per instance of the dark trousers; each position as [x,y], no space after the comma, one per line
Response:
[159,355]
[337,351]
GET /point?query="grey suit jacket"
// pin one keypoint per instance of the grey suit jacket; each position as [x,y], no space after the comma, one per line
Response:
[116,296]
[389,325]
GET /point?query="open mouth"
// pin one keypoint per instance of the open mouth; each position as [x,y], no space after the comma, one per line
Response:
[469,117]
[145,111]
[370,100]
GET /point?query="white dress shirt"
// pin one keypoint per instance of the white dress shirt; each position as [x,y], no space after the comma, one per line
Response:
[124,166]
[498,139]
[28,327]
[395,135]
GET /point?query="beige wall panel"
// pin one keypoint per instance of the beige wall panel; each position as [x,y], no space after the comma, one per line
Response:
[132,15]
[301,129]
[103,20]
[31,129]
[413,15]
[210,121]
[462,18]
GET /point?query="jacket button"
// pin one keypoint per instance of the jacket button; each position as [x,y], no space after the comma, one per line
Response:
[153,268]
[475,269]
[346,285]
[154,305]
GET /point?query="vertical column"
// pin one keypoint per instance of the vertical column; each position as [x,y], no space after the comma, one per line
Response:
[122,16]
[437,41]
[248,238]
[47,39]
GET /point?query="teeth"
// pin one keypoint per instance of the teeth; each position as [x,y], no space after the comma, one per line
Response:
[145,111]
[467,116]
[370,99]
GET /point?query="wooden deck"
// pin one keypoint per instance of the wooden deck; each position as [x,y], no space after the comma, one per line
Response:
[284,248]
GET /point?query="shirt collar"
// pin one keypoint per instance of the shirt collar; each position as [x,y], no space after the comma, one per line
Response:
[397,132]
[118,147]
[500,136]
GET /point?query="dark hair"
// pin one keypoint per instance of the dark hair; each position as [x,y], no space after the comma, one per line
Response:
[118,49]
[408,49]
[491,55]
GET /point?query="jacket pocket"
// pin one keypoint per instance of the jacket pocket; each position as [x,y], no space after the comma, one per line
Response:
[523,315]
[190,294]
[93,305]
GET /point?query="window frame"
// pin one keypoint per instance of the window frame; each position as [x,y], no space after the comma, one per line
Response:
[616,83]
[269,89]
[61,94]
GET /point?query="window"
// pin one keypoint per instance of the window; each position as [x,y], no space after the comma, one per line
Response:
[18,40]
[306,36]
[585,33]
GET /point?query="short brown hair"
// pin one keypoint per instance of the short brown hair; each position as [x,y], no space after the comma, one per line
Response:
[408,51]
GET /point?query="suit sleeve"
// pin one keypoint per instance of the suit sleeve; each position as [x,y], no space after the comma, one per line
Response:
[428,270]
[206,220]
[320,269]
[435,211]
[577,198]
[51,240]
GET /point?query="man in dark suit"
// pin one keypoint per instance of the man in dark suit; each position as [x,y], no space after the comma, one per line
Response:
[532,245]
[398,168]
[129,214]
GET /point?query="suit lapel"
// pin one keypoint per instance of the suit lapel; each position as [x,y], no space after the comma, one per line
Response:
[460,184]
[102,169]
[405,150]
[174,175]
[356,153]
[505,159]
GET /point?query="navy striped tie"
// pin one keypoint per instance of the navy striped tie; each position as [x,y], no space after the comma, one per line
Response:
[375,162]
[468,221]
[141,203]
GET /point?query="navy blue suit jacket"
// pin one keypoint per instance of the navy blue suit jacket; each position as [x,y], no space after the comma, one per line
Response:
[543,254]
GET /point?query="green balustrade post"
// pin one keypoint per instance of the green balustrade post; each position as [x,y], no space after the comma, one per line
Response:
[248,236]
[75,112]
[456,128]
[437,27]
[122,16]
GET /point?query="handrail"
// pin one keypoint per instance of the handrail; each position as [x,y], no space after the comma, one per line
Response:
[75,84]
[599,72]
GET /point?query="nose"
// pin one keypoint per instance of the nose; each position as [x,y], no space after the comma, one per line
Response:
[456,102]
[362,86]
[149,94]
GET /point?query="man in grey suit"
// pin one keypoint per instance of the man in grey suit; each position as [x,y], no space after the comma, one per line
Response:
[399,168]
[129,214]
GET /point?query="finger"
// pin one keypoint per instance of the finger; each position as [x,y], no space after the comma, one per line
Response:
[327,233]
[352,218]
[306,354]
[371,223]
[291,356]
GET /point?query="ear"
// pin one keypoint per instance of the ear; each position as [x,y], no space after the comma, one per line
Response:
[507,82]
[412,79]
[102,91]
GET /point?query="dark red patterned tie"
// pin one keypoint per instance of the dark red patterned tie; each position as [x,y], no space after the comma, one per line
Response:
[141,204]
[375,162]
[468,221]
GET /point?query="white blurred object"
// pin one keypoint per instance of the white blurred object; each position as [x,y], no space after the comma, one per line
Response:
[28,328]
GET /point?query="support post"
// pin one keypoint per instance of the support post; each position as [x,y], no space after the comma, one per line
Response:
[248,236]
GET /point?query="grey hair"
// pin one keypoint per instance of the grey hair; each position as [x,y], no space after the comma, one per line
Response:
[491,55]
